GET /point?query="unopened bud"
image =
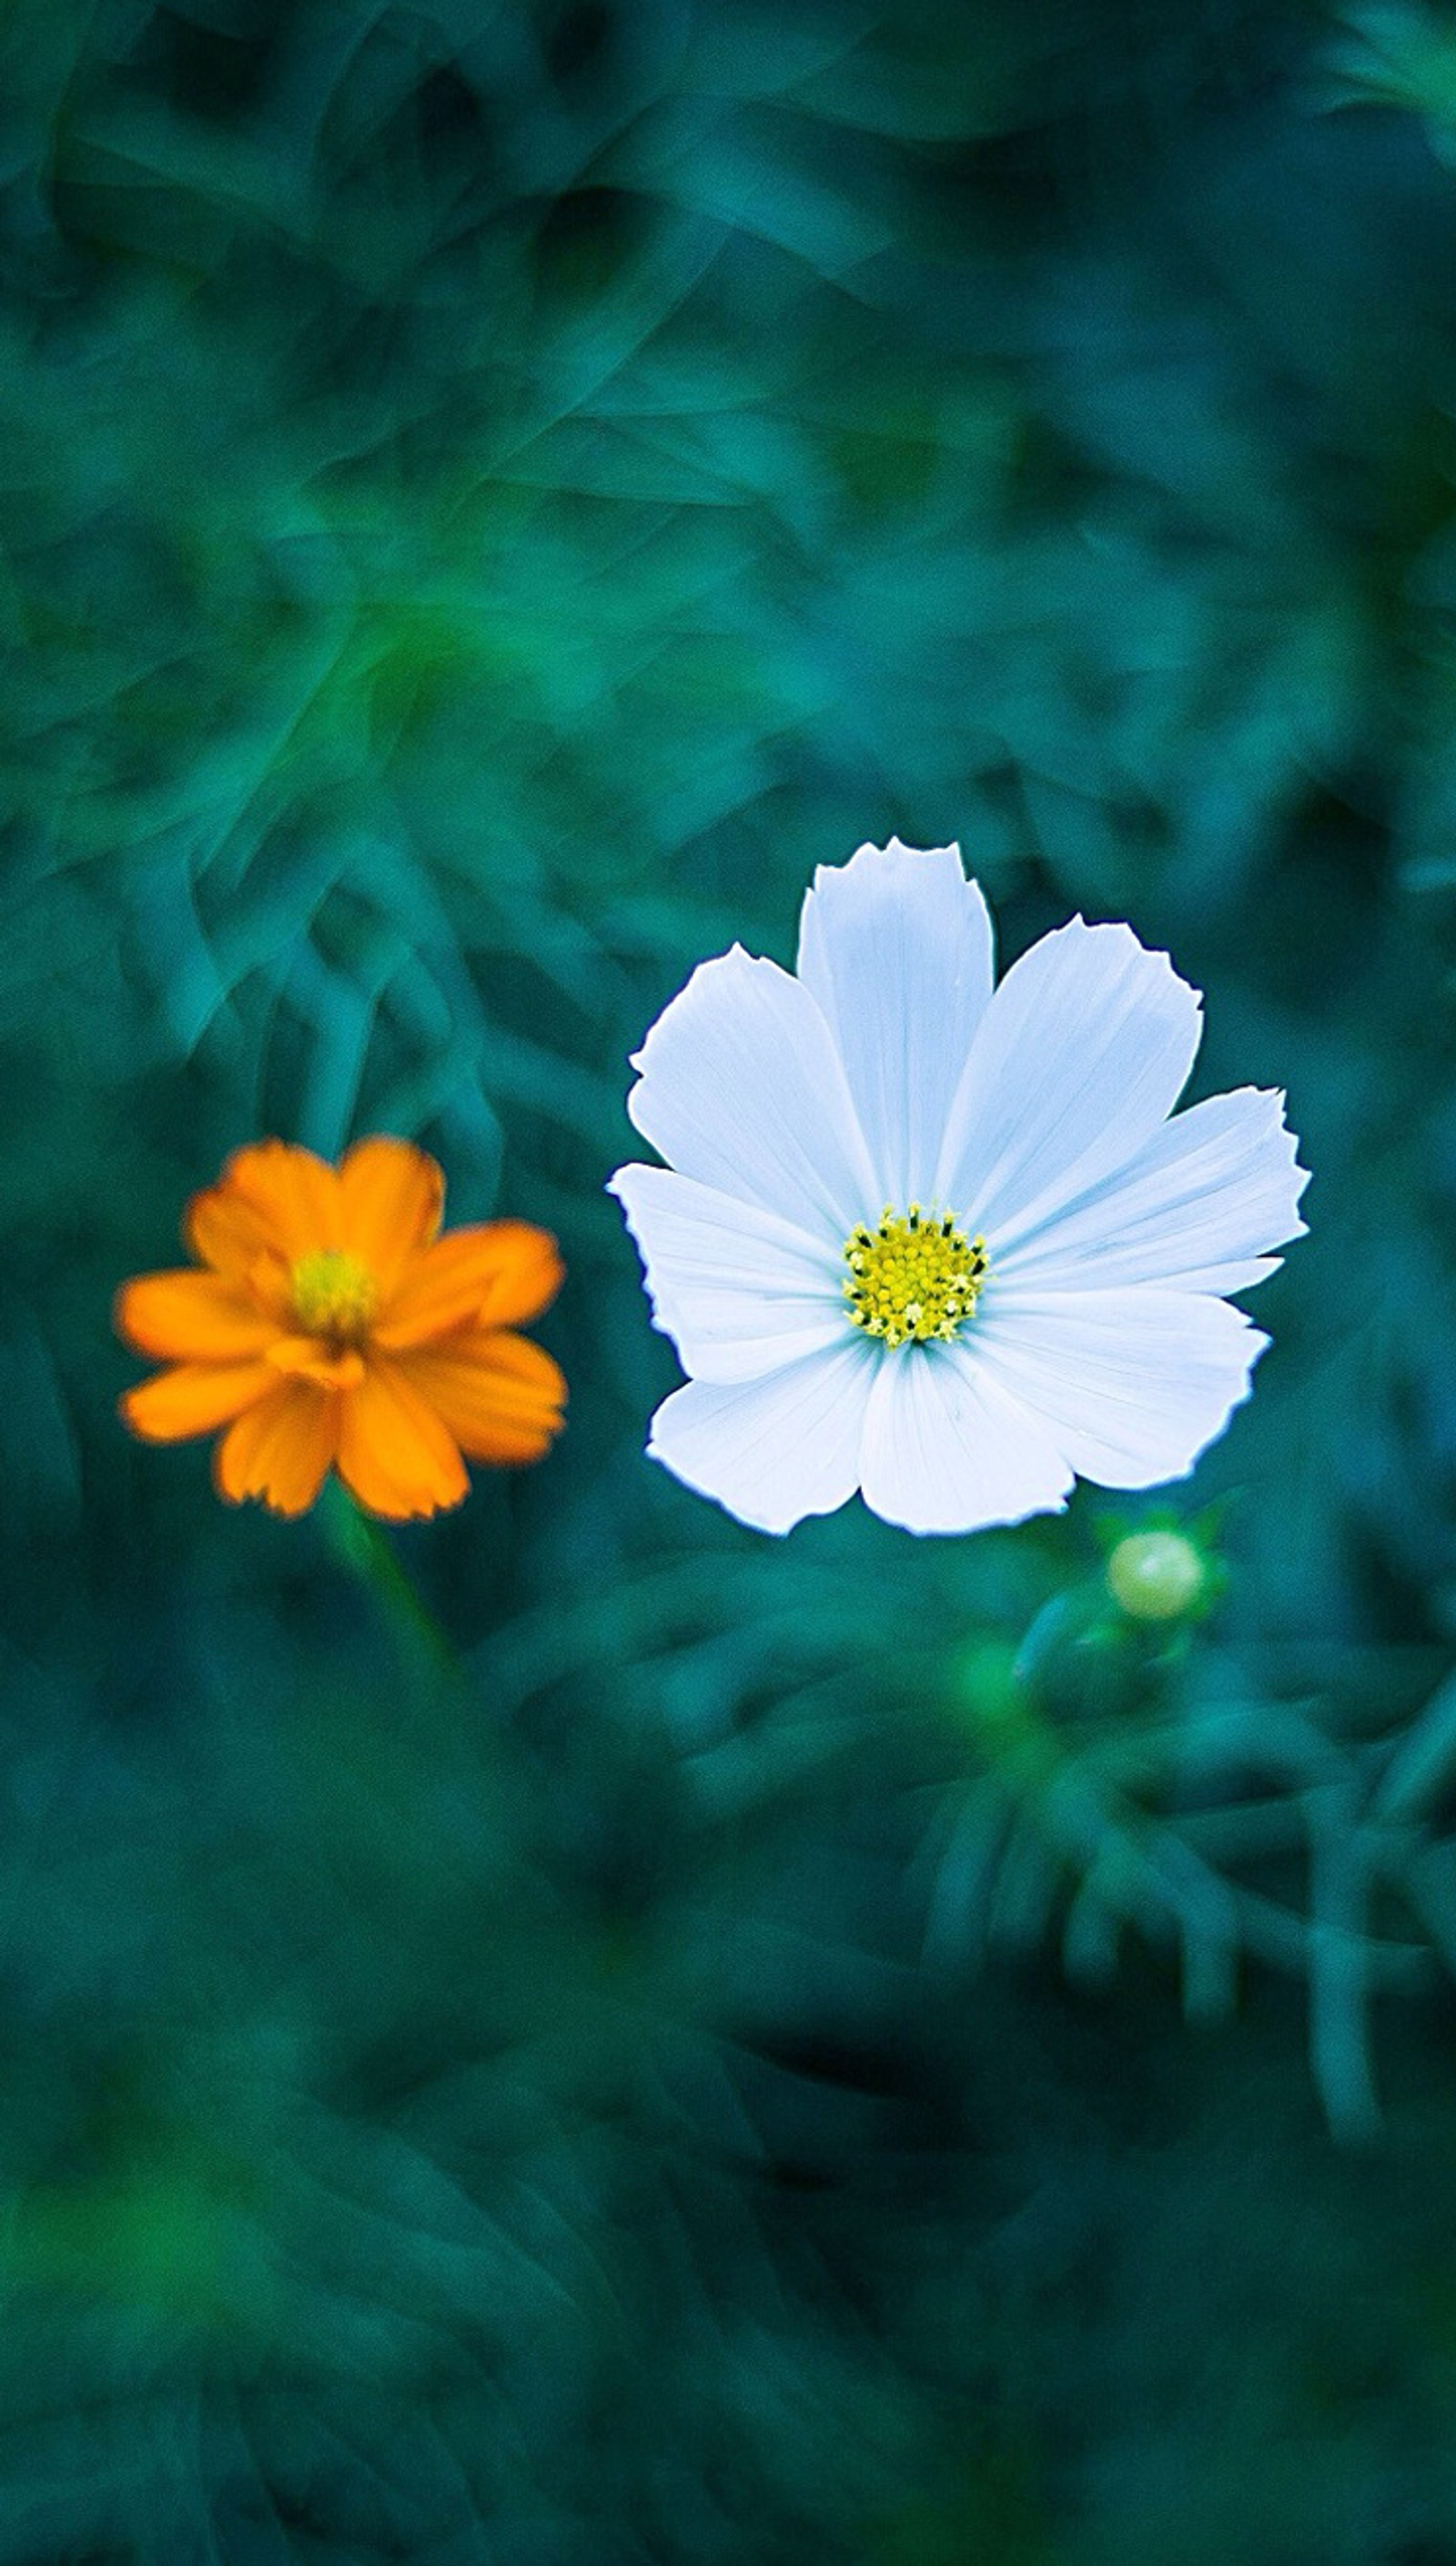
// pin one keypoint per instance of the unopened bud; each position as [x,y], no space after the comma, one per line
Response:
[1156,1576]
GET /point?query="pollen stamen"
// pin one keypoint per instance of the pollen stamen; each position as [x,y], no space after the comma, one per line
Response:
[334,1295]
[915,1278]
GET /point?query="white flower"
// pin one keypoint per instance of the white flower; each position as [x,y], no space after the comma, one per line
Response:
[936,1244]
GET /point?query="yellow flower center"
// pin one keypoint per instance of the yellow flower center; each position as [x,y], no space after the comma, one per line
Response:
[334,1295]
[913,1277]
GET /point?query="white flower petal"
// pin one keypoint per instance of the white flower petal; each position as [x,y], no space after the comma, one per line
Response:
[896,947]
[1132,1385]
[740,1291]
[1197,1207]
[741,1086]
[1082,1053]
[948,1449]
[773,1450]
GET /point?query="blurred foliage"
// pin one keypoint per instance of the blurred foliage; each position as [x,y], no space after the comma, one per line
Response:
[687,2047]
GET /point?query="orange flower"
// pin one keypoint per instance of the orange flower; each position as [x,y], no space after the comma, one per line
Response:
[331,1326]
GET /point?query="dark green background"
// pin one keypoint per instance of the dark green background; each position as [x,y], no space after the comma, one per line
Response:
[720,2049]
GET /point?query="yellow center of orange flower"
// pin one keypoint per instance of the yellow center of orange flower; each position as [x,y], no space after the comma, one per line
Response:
[913,1277]
[334,1295]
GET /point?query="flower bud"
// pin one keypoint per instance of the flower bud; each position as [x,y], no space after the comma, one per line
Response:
[1157,1576]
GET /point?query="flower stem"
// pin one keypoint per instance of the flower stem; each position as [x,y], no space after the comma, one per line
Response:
[363,1548]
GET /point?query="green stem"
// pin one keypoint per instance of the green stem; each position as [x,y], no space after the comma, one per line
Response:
[363,1548]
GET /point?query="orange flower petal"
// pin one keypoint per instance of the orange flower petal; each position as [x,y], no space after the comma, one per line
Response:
[280,1449]
[227,1232]
[293,1195]
[500,1396]
[187,1317]
[489,1274]
[393,1196]
[395,1453]
[307,1359]
[193,1398]
[268,1282]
